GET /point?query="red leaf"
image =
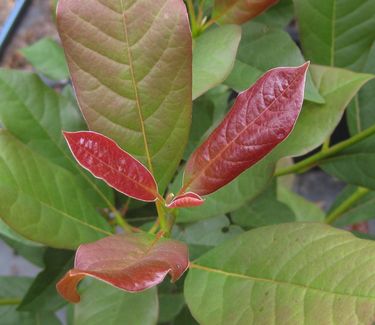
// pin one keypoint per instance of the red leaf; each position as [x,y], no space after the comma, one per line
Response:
[262,117]
[186,200]
[129,262]
[106,160]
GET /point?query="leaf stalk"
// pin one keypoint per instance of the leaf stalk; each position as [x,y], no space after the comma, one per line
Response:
[345,206]
[308,163]
[10,301]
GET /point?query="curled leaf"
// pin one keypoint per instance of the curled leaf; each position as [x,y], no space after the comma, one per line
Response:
[106,160]
[186,200]
[261,118]
[129,262]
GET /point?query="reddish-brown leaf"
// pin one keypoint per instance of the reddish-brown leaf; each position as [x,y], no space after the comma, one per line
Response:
[129,262]
[186,200]
[262,117]
[106,160]
[239,11]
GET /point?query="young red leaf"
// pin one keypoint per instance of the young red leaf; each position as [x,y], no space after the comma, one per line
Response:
[239,11]
[106,160]
[129,262]
[262,117]
[186,200]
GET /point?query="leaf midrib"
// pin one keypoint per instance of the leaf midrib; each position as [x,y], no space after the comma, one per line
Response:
[272,281]
[135,86]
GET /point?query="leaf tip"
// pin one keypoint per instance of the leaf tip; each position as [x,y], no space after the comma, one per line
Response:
[186,200]
[67,286]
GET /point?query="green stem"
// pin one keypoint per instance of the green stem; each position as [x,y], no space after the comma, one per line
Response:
[10,301]
[121,221]
[326,144]
[161,215]
[193,21]
[344,206]
[308,163]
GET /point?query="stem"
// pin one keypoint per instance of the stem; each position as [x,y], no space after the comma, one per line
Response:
[326,144]
[121,222]
[308,163]
[344,206]
[161,216]
[10,301]
[191,11]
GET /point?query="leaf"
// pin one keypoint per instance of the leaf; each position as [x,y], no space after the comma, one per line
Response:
[131,69]
[106,160]
[303,209]
[132,262]
[263,210]
[239,11]
[103,304]
[13,288]
[354,164]
[279,15]
[232,196]
[42,201]
[260,119]
[42,295]
[327,273]
[317,122]
[336,33]
[206,234]
[213,57]
[11,234]
[255,56]
[48,58]
[170,306]
[362,210]
[35,114]
[185,200]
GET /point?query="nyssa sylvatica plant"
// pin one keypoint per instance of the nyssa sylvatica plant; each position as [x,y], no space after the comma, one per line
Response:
[149,183]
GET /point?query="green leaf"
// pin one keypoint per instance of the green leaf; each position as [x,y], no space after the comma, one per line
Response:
[42,294]
[48,58]
[336,32]
[317,122]
[285,274]
[103,304]
[279,15]
[232,196]
[42,201]
[7,232]
[132,76]
[362,210]
[303,209]
[36,115]
[170,306]
[206,234]
[256,56]
[263,210]
[354,165]
[213,57]
[12,290]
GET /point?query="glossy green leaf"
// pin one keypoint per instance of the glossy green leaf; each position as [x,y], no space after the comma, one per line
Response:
[103,304]
[303,209]
[48,58]
[285,274]
[231,197]
[42,201]
[355,164]
[213,57]
[336,32]
[12,290]
[36,116]
[131,69]
[362,210]
[263,210]
[42,294]
[317,122]
[255,56]
[279,15]
[8,232]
